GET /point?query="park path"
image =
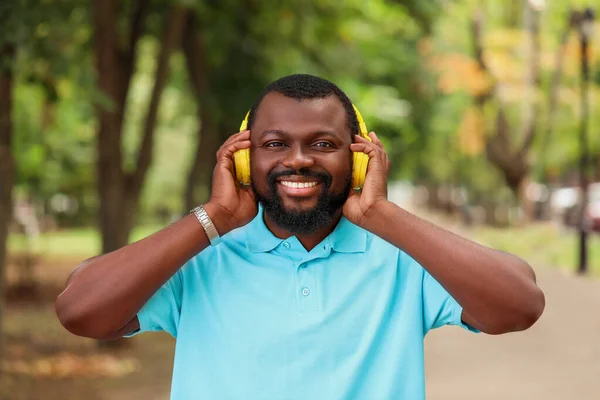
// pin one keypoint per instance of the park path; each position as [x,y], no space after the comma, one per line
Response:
[558,358]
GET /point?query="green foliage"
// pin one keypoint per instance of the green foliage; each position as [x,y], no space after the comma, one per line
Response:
[53,82]
[506,53]
[370,50]
[379,52]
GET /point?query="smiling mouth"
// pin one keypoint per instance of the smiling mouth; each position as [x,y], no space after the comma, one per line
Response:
[299,185]
[298,188]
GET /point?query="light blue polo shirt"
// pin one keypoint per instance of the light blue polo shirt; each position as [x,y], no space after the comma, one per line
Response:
[258,317]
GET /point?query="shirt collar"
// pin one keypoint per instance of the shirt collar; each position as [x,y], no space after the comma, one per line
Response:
[348,237]
[259,238]
[345,238]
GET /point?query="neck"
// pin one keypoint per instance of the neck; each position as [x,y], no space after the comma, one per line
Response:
[309,241]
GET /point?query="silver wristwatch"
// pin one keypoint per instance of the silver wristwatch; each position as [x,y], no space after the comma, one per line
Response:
[207,224]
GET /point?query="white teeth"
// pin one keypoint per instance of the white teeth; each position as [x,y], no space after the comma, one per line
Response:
[299,185]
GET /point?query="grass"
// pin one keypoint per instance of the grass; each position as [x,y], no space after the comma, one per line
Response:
[542,244]
[79,242]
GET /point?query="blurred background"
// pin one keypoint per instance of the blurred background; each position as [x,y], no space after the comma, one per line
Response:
[111,113]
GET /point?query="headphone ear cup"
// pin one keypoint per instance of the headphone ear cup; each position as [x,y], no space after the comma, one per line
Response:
[359,170]
[241,160]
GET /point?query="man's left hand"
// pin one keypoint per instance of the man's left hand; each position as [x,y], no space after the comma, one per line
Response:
[359,204]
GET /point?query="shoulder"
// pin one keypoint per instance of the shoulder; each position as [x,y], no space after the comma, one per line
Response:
[233,242]
[378,248]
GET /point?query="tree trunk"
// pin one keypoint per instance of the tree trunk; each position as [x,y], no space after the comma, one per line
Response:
[511,158]
[113,81]
[208,139]
[200,173]
[555,79]
[7,170]
[119,191]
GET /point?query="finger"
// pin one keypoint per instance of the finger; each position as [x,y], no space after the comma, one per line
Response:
[360,139]
[371,150]
[367,148]
[232,148]
[375,139]
[226,157]
[240,136]
[382,147]
[378,143]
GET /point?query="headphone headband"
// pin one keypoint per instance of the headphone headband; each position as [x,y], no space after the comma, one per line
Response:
[244,125]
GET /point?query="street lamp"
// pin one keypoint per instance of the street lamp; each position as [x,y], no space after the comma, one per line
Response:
[586,24]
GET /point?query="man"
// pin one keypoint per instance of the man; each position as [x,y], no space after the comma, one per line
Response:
[299,287]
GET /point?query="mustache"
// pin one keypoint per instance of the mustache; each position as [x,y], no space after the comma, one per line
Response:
[325,177]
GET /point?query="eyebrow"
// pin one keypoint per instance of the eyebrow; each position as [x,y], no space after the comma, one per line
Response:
[284,133]
[273,132]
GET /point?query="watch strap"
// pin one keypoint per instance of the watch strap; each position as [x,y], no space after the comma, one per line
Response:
[207,224]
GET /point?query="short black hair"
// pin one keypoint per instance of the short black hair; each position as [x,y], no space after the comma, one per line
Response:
[304,86]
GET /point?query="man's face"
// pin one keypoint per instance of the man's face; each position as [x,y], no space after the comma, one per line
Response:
[301,160]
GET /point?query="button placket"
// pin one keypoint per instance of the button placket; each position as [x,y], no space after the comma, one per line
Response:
[306,287]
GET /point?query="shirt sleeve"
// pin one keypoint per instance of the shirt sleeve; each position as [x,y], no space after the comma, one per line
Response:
[161,312]
[439,307]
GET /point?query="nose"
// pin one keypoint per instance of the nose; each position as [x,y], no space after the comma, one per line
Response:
[297,158]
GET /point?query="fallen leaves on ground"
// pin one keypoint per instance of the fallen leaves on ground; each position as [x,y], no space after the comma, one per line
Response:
[67,365]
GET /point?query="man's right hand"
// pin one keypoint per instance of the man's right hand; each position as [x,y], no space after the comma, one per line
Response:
[231,205]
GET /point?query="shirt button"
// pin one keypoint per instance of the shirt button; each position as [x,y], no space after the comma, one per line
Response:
[286,245]
[305,291]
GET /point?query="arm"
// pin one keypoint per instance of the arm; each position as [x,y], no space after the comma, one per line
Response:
[497,291]
[104,294]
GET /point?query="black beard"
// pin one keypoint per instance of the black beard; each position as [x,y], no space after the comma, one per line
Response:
[303,222]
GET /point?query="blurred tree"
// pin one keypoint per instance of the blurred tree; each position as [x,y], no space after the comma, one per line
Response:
[513,159]
[517,92]
[115,52]
[227,68]
[422,12]
[554,86]
[208,135]
[6,161]
[513,13]
[51,60]
[14,31]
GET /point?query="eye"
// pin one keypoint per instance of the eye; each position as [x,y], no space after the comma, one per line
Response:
[324,144]
[274,144]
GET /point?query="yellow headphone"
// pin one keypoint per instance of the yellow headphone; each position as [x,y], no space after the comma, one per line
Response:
[359,166]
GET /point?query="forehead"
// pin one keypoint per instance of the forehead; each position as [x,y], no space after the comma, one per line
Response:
[278,112]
